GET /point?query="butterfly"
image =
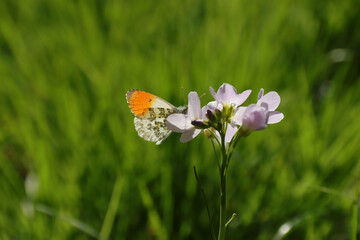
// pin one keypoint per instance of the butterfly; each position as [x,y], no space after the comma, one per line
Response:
[150,115]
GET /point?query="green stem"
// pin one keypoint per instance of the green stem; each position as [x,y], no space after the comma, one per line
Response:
[232,218]
[113,208]
[222,223]
[217,159]
[206,203]
[354,220]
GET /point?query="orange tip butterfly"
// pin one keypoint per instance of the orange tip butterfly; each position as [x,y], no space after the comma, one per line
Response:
[150,115]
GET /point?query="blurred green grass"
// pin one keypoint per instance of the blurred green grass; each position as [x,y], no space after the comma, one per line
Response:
[65,67]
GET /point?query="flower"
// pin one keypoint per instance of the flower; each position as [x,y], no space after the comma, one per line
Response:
[185,123]
[228,100]
[258,116]
[227,95]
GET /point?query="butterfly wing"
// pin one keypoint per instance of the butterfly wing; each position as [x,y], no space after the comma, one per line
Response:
[153,130]
[150,115]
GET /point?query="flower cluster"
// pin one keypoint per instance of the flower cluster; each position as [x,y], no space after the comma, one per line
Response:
[225,119]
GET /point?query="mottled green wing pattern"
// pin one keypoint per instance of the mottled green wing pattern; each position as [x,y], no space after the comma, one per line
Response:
[153,128]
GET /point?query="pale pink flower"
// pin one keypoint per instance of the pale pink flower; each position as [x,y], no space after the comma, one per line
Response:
[227,96]
[258,116]
[182,123]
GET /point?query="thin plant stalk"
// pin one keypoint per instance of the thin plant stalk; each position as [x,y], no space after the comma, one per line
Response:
[354,218]
[222,223]
[206,203]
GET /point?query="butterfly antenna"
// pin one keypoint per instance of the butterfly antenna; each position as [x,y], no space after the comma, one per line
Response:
[182,89]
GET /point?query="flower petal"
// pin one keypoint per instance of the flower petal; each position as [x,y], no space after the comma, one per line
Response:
[194,109]
[178,122]
[230,132]
[251,108]
[227,93]
[204,110]
[271,99]
[189,134]
[214,104]
[241,98]
[238,116]
[261,93]
[254,118]
[275,117]
[255,121]
[212,91]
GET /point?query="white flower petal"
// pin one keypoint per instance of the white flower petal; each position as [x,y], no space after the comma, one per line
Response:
[178,122]
[251,108]
[212,105]
[189,134]
[212,91]
[254,118]
[204,112]
[261,93]
[272,99]
[255,121]
[230,132]
[275,117]
[227,93]
[241,98]
[194,109]
[238,116]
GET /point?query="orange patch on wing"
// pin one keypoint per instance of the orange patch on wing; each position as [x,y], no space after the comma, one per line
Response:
[139,102]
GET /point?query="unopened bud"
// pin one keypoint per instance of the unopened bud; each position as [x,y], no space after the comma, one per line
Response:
[217,114]
[199,124]
[208,133]
[210,115]
[244,132]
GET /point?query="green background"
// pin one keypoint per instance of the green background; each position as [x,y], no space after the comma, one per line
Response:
[73,167]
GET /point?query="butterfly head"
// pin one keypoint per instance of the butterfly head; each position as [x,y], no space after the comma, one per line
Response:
[182,109]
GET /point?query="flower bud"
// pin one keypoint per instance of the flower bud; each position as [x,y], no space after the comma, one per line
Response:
[210,115]
[199,124]
[208,134]
[244,132]
[255,118]
[218,114]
